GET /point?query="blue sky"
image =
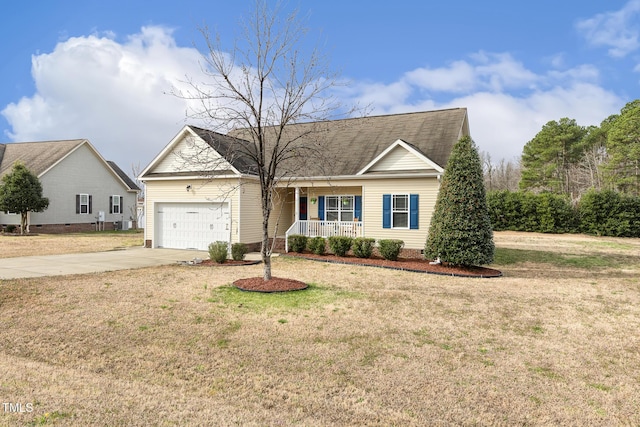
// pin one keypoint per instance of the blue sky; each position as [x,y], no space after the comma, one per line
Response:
[100,70]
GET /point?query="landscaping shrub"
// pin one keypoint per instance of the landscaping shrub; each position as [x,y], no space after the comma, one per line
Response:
[11,228]
[460,231]
[238,251]
[390,248]
[297,242]
[340,245]
[608,213]
[525,211]
[363,247]
[555,214]
[317,245]
[218,251]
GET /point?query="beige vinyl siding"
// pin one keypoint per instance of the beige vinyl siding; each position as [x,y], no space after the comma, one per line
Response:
[202,191]
[371,191]
[400,159]
[191,154]
[283,211]
[427,188]
[250,212]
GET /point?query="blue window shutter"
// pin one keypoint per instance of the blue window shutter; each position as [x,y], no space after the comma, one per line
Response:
[386,211]
[321,208]
[358,208]
[413,211]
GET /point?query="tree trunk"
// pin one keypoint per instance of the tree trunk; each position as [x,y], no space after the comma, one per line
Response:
[23,222]
[264,250]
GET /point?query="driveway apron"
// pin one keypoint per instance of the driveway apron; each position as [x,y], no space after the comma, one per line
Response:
[95,262]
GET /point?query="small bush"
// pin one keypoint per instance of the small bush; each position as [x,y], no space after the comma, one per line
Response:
[363,247]
[218,251]
[340,245]
[11,228]
[317,245]
[297,242]
[390,248]
[238,251]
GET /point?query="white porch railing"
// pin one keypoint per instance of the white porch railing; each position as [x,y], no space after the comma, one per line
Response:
[313,228]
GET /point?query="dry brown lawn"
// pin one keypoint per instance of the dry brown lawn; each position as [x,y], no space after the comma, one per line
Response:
[54,244]
[547,344]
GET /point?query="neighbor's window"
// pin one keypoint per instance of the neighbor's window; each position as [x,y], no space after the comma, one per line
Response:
[400,211]
[339,208]
[115,205]
[84,203]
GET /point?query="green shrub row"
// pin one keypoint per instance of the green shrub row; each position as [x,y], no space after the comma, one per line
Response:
[605,213]
[219,250]
[362,246]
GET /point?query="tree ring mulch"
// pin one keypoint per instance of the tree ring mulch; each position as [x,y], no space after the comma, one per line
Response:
[211,263]
[276,284]
[405,264]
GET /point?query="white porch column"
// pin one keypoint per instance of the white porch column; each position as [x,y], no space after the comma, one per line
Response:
[297,204]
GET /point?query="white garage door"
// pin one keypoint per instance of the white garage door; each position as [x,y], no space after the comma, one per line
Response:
[191,225]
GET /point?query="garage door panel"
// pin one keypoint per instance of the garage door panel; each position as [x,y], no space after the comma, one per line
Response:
[191,226]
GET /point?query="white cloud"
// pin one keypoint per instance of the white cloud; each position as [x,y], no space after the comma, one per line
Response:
[113,94]
[619,30]
[484,71]
[507,103]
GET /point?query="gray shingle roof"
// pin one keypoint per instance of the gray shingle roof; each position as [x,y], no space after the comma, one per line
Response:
[132,185]
[36,156]
[351,144]
[40,156]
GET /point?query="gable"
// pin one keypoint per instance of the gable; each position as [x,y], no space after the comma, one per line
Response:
[188,154]
[41,158]
[83,171]
[400,157]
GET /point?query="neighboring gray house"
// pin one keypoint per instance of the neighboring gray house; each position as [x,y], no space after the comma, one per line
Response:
[85,191]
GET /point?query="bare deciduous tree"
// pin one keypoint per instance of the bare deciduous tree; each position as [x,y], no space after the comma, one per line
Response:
[505,175]
[259,88]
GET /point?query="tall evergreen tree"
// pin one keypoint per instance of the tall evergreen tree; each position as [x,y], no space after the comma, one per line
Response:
[460,231]
[623,147]
[21,192]
[547,158]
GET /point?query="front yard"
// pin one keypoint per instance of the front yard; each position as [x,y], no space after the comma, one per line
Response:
[555,342]
[55,244]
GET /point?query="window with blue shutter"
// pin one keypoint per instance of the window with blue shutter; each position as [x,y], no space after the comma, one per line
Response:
[400,211]
[386,211]
[413,211]
[358,208]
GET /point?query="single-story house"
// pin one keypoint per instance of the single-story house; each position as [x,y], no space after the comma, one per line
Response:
[382,183]
[85,191]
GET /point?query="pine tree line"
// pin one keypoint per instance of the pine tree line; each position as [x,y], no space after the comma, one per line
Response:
[569,159]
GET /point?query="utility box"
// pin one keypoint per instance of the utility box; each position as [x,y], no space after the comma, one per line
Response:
[101,216]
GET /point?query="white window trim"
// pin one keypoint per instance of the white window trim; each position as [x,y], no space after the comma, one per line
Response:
[408,211]
[115,201]
[84,204]
[340,210]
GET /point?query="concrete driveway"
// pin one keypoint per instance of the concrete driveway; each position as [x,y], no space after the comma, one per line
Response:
[57,265]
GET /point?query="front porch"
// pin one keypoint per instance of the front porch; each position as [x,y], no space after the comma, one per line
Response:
[315,228]
[323,211]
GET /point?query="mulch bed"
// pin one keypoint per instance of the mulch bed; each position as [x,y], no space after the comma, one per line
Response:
[405,264]
[227,263]
[276,284]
